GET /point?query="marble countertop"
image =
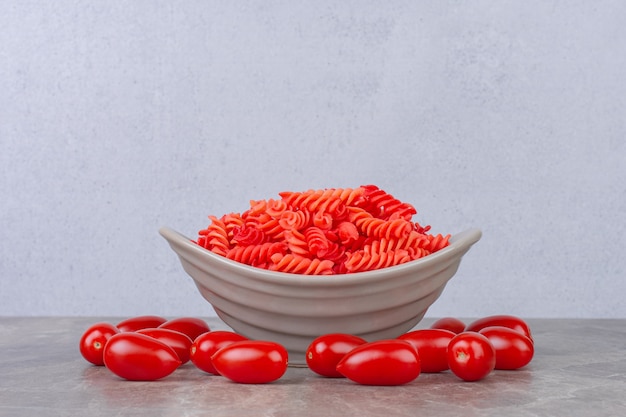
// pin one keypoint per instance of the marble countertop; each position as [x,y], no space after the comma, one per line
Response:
[579,369]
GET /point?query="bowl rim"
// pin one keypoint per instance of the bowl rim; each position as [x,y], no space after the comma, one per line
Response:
[181,244]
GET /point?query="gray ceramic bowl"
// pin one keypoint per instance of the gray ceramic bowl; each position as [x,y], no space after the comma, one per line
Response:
[294,309]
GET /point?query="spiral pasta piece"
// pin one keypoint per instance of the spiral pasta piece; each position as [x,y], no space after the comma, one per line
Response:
[349,196]
[300,265]
[256,255]
[231,222]
[247,235]
[319,203]
[379,228]
[408,242]
[417,253]
[297,243]
[275,207]
[267,224]
[295,220]
[324,220]
[361,261]
[317,241]
[436,242]
[347,232]
[387,204]
[215,236]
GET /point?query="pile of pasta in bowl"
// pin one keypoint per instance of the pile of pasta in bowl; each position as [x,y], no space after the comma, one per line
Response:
[323,232]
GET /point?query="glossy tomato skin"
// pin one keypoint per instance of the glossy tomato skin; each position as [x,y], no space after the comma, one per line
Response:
[324,352]
[251,361]
[471,356]
[503,320]
[513,349]
[383,362]
[94,339]
[449,323]
[139,357]
[432,346]
[180,342]
[191,326]
[132,324]
[207,344]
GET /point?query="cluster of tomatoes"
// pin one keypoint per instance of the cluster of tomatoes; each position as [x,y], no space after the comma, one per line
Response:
[147,348]
[470,352]
[152,347]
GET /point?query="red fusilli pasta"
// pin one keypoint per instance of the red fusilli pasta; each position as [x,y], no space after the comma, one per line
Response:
[321,232]
[258,255]
[300,265]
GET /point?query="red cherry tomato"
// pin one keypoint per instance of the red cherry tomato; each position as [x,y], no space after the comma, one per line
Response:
[140,322]
[251,361]
[512,322]
[432,346]
[471,356]
[513,349]
[180,342]
[384,362]
[449,323]
[93,340]
[207,344]
[191,326]
[139,357]
[325,352]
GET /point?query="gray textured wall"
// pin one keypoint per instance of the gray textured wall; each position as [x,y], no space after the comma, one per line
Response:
[118,117]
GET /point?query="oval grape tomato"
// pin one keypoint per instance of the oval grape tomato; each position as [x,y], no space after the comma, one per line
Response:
[384,362]
[139,357]
[251,361]
[513,349]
